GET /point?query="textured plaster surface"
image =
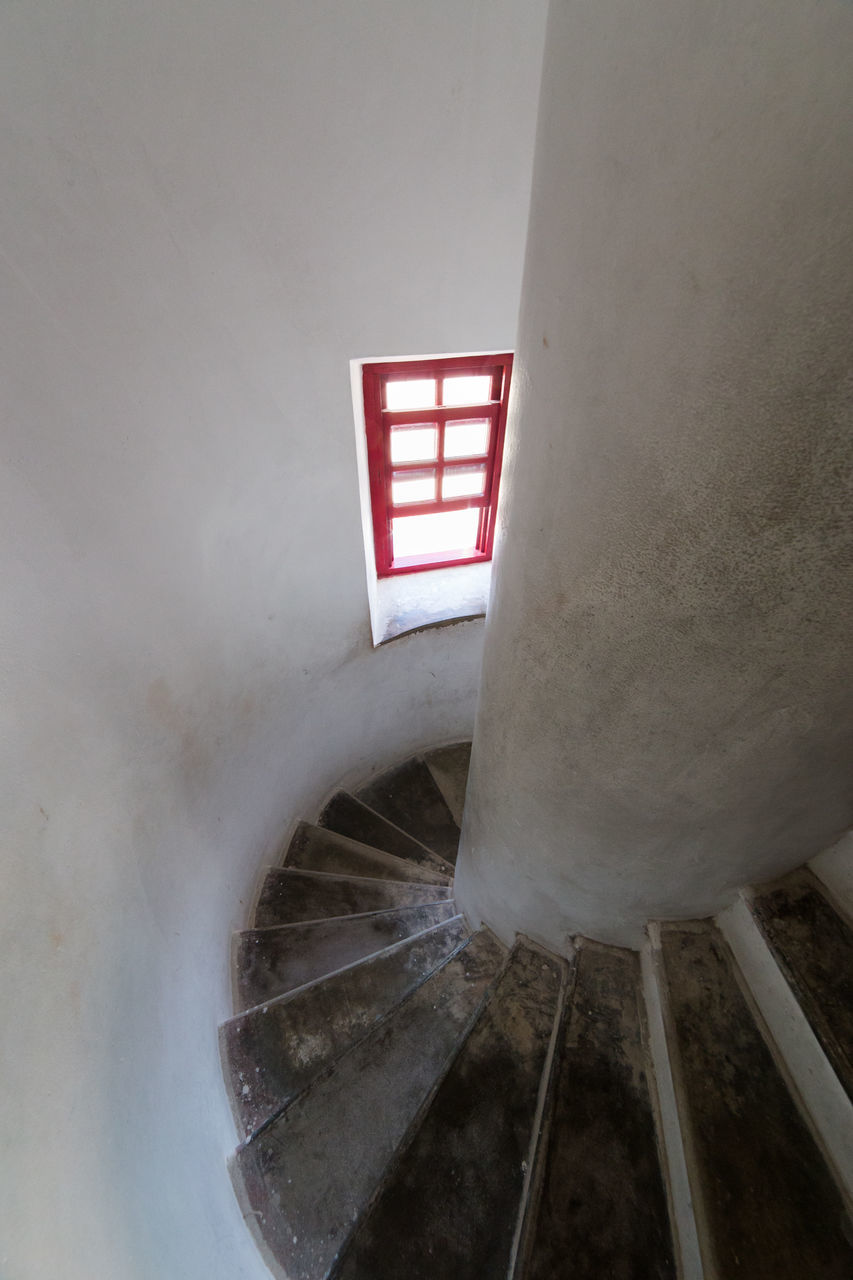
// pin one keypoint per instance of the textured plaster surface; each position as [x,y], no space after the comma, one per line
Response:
[666,710]
[207,209]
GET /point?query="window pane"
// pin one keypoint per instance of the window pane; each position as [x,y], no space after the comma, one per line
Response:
[414,444]
[412,393]
[413,486]
[463,482]
[468,390]
[461,439]
[442,531]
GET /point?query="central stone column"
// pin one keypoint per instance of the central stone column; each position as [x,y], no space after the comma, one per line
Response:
[666,707]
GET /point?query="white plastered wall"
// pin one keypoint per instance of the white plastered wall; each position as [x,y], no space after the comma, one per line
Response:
[206,209]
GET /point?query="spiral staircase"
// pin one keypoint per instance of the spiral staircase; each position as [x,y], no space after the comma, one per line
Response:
[416,1101]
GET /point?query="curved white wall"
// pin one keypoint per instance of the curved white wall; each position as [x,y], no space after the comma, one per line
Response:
[207,209]
[666,707]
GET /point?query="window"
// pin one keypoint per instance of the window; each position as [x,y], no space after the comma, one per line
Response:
[435,433]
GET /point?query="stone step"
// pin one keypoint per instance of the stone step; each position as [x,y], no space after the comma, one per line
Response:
[271,1052]
[350,817]
[269,962]
[766,1205]
[598,1202]
[306,1178]
[813,947]
[449,767]
[290,895]
[451,1200]
[409,797]
[316,848]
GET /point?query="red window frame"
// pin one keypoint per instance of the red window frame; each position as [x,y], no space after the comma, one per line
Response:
[379,422]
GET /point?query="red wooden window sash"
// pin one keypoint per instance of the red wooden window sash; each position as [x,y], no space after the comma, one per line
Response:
[379,420]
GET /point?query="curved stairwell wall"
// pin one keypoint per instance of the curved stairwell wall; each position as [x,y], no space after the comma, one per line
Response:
[198,230]
[666,711]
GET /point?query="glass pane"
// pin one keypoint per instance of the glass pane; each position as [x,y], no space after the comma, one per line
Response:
[440,532]
[413,486]
[414,444]
[413,393]
[461,439]
[468,390]
[463,482]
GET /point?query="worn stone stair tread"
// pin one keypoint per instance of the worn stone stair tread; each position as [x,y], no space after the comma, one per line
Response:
[450,1202]
[767,1206]
[598,1201]
[318,848]
[449,767]
[290,895]
[813,946]
[270,961]
[271,1052]
[305,1179]
[409,797]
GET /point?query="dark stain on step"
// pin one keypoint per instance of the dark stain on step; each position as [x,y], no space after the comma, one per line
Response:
[772,1208]
[409,797]
[599,1202]
[450,1203]
[813,946]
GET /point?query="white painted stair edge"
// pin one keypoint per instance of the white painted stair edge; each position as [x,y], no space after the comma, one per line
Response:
[685,1232]
[826,1104]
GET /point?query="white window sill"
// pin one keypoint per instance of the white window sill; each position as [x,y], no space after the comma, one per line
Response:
[411,601]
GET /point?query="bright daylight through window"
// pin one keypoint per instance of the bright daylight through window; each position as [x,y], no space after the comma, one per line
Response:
[435,432]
